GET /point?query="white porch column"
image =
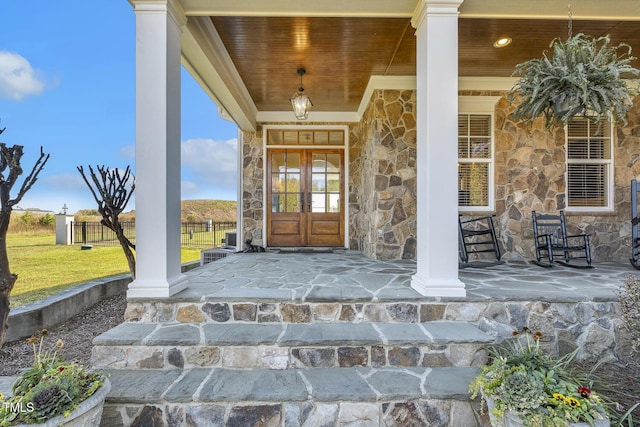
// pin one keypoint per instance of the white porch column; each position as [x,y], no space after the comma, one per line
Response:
[158,27]
[436,23]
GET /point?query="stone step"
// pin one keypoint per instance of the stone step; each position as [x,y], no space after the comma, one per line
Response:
[293,397]
[284,346]
[246,308]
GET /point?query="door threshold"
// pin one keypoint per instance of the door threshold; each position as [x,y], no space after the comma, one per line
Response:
[306,249]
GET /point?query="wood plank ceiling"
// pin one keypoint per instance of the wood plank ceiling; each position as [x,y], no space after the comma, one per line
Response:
[340,54]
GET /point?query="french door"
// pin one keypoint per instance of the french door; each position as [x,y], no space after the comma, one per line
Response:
[305,197]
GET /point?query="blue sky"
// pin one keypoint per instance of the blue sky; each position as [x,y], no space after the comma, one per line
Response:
[67,83]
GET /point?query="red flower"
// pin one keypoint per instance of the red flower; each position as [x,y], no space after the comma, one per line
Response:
[60,368]
[584,391]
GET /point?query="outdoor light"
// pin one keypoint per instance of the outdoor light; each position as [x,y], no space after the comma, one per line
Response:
[299,101]
[64,209]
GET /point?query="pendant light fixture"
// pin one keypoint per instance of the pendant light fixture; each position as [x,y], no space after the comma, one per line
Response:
[300,101]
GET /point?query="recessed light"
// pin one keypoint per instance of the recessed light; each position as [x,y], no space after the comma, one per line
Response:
[502,42]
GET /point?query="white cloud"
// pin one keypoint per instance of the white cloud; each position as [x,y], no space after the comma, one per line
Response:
[65,181]
[188,189]
[17,78]
[212,163]
[128,152]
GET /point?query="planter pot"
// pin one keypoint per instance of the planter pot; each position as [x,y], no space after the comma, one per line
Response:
[87,414]
[567,107]
[511,419]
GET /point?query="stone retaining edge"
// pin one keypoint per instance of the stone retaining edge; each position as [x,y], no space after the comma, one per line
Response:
[31,318]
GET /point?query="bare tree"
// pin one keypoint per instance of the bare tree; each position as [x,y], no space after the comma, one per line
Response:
[112,190]
[10,170]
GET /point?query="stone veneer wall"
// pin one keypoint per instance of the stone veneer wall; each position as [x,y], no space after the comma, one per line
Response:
[252,188]
[382,181]
[530,170]
[529,175]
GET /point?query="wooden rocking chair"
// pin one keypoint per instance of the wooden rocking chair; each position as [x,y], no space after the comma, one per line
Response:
[475,236]
[635,226]
[553,243]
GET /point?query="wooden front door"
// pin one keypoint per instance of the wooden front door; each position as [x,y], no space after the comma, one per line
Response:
[305,197]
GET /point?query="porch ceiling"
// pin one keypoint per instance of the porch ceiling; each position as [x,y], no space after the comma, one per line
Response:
[259,50]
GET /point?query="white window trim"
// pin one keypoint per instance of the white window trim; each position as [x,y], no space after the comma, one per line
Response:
[610,175]
[483,104]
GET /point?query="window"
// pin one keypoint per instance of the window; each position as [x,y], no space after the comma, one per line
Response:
[475,162]
[305,137]
[589,165]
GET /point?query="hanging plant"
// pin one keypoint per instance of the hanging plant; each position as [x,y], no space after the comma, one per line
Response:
[583,76]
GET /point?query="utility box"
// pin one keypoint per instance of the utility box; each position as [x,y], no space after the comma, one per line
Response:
[230,239]
[64,224]
[210,255]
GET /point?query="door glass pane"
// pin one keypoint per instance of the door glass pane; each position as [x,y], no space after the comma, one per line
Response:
[293,162]
[293,183]
[277,162]
[319,162]
[317,182]
[277,203]
[277,183]
[333,182]
[334,202]
[293,203]
[318,202]
[333,162]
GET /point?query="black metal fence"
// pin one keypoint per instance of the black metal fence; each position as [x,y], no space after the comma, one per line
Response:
[208,234]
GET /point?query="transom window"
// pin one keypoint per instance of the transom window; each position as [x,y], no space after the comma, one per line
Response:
[305,137]
[475,162]
[589,165]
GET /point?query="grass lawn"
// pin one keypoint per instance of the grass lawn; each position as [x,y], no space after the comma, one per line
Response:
[44,268]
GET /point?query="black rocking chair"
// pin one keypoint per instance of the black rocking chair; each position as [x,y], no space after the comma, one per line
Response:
[553,243]
[475,236]
[635,225]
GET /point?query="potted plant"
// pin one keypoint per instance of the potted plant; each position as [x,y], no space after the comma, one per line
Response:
[52,392]
[524,386]
[582,76]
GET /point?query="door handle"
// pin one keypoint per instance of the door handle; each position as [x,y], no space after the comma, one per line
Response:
[309,202]
[302,201]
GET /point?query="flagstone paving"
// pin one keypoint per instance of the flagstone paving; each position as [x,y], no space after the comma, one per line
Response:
[302,338]
[350,276]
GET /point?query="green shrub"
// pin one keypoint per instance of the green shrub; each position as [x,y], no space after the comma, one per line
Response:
[27,219]
[47,219]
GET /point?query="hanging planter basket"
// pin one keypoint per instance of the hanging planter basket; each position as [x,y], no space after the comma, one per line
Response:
[582,76]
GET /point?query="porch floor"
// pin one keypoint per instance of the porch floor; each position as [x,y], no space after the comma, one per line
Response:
[350,276]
